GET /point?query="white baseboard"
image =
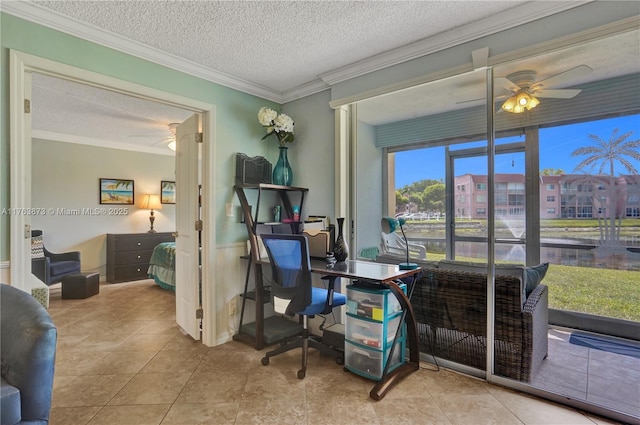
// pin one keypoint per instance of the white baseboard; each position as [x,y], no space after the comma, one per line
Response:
[5,272]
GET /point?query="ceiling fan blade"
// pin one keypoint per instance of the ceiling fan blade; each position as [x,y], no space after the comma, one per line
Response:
[558,94]
[506,84]
[566,78]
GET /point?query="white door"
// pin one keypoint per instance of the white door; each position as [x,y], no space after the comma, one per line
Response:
[187,214]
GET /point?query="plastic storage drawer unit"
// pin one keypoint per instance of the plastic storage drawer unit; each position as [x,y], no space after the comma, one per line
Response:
[376,304]
[370,363]
[372,333]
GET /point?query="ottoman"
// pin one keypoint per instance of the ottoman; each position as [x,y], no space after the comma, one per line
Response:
[80,285]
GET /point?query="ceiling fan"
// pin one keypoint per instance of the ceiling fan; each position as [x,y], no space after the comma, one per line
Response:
[524,90]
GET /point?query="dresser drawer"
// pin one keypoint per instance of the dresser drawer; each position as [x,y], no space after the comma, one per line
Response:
[132,257]
[134,243]
[130,272]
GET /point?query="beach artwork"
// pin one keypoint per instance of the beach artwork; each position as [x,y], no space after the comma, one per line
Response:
[116,191]
[168,192]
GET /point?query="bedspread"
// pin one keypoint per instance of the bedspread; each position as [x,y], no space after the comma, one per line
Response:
[162,265]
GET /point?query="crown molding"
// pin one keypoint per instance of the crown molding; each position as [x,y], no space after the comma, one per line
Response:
[101,143]
[522,14]
[48,18]
[528,12]
[305,90]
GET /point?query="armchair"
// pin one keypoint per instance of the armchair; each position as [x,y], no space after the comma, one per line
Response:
[28,358]
[50,267]
[293,293]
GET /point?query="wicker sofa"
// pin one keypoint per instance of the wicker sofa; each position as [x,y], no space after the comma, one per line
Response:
[450,300]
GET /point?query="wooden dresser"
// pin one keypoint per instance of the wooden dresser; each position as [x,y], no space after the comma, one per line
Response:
[128,254]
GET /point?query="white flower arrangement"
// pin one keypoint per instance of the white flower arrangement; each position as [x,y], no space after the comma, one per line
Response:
[280,125]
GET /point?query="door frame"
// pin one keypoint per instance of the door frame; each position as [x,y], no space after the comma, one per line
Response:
[21,65]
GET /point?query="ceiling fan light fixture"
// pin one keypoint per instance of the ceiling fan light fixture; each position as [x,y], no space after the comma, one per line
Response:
[533,102]
[523,99]
[509,104]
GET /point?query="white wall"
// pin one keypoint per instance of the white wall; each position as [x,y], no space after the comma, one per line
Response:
[66,176]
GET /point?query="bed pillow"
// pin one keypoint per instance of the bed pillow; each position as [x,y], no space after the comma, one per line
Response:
[534,275]
[37,247]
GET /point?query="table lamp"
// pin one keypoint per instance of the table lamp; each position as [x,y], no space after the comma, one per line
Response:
[151,202]
[389,225]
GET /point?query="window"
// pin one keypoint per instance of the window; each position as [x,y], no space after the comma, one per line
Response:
[551,211]
[481,211]
[501,187]
[516,211]
[551,198]
[481,198]
[501,199]
[481,186]
[551,186]
[633,212]
[516,199]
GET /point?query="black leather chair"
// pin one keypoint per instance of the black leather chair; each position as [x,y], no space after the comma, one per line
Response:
[293,293]
[51,267]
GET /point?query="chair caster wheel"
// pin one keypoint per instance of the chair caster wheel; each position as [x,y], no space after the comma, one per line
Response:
[301,374]
[264,361]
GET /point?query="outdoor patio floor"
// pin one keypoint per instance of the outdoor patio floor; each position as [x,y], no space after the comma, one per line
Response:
[600,377]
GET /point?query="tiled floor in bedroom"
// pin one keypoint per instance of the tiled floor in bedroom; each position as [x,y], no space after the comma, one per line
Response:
[121,360]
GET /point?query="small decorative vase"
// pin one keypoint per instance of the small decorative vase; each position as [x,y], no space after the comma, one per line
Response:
[341,249]
[282,173]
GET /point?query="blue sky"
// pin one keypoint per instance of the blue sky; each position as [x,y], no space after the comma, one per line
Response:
[556,146]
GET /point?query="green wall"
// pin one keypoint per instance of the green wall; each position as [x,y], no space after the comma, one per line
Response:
[237,128]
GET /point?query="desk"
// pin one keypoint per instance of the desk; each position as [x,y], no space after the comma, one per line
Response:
[384,275]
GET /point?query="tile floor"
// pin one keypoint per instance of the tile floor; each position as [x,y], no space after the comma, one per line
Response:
[603,378]
[121,360]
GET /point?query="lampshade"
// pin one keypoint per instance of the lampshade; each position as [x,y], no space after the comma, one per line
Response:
[172,145]
[390,224]
[151,202]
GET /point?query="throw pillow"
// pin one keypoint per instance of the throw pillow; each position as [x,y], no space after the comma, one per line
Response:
[535,274]
[37,247]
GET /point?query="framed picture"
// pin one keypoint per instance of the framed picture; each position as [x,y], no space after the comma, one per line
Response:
[167,192]
[116,191]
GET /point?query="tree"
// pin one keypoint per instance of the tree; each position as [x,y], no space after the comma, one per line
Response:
[552,172]
[605,154]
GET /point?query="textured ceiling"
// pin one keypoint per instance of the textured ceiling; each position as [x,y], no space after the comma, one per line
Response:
[279,45]
[280,49]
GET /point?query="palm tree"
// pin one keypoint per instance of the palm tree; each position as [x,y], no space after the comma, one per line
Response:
[609,152]
[605,154]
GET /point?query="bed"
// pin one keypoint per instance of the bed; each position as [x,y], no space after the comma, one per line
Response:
[162,265]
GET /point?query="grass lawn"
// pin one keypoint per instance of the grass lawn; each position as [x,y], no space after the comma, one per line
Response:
[602,292]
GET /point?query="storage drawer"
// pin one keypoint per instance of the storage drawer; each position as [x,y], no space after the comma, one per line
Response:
[377,304]
[132,257]
[135,243]
[369,362]
[130,272]
[370,333]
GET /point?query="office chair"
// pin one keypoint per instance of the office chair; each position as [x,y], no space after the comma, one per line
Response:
[293,293]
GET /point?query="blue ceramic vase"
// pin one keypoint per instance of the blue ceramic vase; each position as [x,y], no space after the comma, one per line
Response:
[282,173]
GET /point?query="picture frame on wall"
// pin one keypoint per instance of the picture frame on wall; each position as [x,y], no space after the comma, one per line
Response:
[167,192]
[116,191]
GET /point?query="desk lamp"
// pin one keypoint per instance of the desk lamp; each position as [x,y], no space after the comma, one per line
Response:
[151,202]
[389,225]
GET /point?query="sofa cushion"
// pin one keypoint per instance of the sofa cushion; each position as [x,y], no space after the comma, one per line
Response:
[500,270]
[534,275]
[9,404]
[61,267]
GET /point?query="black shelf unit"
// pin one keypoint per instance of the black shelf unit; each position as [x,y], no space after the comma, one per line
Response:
[272,329]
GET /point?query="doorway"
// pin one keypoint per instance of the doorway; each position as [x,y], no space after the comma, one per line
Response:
[22,67]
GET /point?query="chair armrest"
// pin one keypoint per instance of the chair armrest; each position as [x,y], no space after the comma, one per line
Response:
[40,268]
[535,326]
[65,256]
